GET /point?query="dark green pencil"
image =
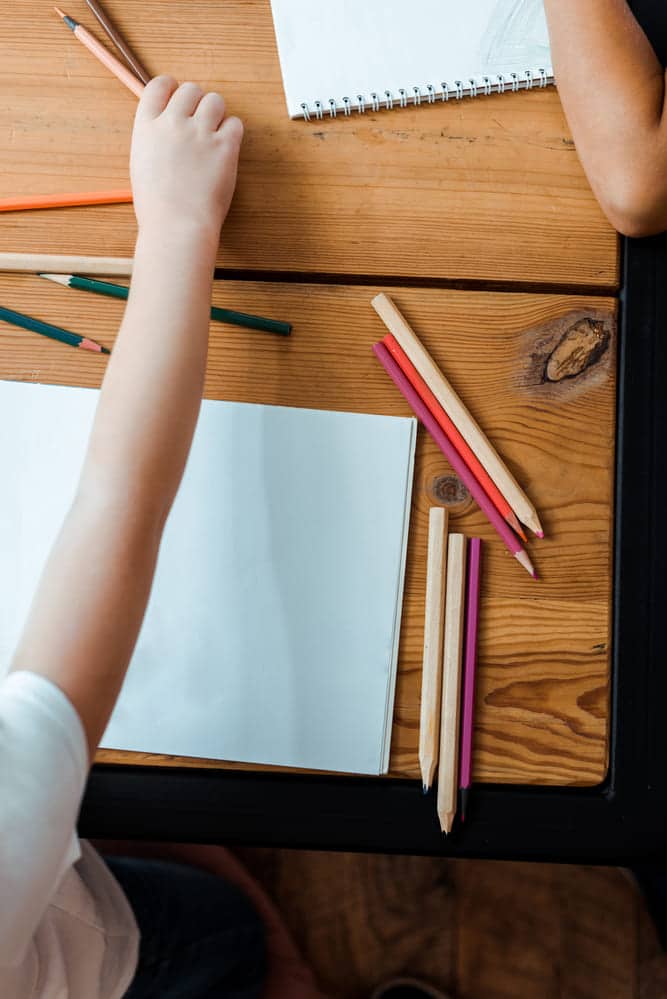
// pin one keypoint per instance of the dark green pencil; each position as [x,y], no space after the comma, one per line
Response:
[55,332]
[222,315]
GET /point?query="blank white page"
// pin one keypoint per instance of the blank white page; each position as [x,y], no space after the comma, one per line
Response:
[271,634]
[331,49]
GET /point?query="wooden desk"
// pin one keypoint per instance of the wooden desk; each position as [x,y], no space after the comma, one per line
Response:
[457,199]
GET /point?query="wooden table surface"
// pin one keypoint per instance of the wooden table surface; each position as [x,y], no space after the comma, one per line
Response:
[481,203]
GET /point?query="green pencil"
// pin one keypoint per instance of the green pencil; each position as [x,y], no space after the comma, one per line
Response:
[55,332]
[222,315]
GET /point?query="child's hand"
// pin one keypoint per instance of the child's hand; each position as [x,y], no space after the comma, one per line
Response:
[184,158]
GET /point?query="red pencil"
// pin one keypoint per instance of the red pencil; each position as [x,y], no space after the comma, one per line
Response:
[446,425]
[423,413]
[470,665]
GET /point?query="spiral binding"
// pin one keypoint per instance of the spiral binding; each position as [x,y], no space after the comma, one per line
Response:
[415,95]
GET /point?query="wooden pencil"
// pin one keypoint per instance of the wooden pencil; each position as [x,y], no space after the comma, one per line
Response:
[429,720]
[23,202]
[448,428]
[448,768]
[114,34]
[66,263]
[53,332]
[244,319]
[470,668]
[458,413]
[421,410]
[105,57]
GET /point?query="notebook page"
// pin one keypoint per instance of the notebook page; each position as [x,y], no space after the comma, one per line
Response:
[272,629]
[339,48]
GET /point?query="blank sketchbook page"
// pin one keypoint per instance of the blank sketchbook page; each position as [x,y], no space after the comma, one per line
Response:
[271,634]
[331,49]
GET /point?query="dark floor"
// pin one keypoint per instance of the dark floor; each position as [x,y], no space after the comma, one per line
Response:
[479,929]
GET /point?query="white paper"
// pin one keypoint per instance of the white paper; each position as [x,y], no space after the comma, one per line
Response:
[331,49]
[271,634]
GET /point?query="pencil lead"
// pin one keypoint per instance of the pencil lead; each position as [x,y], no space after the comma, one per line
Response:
[539,534]
[424,788]
[534,575]
[69,21]
[105,350]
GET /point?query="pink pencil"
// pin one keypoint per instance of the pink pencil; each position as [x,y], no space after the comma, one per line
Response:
[104,56]
[470,664]
[423,413]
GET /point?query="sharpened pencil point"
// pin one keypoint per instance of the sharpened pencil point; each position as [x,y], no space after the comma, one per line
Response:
[534,575]
[522,557]
[539,534]
[424,789]
[69,21]
[105,350]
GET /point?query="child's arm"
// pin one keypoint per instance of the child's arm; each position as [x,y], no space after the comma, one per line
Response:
[90,603]
[613,91]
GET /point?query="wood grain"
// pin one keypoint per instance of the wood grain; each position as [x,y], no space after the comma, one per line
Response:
[475,929]
[484,189]
[542,702]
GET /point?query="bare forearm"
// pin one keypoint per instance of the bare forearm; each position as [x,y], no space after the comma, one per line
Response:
[154,382]
[155,375]
[612,88]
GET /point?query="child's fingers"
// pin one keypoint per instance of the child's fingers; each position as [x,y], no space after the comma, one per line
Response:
[156,96]
[211,111]
[232,130]
[185,100]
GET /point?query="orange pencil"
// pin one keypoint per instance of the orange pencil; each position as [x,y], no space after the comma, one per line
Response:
[104,56]
[22,202]
[448,428]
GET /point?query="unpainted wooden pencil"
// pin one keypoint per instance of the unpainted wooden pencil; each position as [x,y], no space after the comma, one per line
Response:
[429,722]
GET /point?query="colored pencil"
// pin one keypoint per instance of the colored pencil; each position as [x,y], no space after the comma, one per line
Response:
[221,315]
[104,56]
[429,720]
[446,425]
[23,202]
[470,666]
[39,262]
[458,413]
[118,41]
[451,454]
[54,332]
[448,769]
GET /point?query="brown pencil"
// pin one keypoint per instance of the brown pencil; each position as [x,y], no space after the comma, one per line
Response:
[118,41]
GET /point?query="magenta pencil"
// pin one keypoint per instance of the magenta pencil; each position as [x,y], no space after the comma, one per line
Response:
[477,492]
[470,666]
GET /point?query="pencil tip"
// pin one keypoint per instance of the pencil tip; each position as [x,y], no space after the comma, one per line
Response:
[534,575]
[539,534]
[105,350]
[69,21]
[424,788]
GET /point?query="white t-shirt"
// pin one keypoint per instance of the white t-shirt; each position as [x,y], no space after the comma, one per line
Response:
[66,929]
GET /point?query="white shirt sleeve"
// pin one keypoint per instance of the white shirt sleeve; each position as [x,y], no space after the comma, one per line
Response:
[43,769]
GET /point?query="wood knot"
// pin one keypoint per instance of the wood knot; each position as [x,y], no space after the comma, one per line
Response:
[449,491]
[580,347]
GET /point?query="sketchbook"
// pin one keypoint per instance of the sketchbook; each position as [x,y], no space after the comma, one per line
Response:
[344,56]
[271,634]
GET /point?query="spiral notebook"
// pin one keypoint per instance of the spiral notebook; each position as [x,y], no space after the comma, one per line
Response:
[344,56]
[271,635]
